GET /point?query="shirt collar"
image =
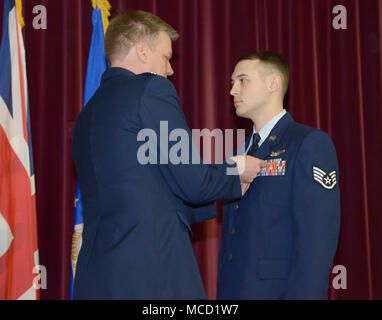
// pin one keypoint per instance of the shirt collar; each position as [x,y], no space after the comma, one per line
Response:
[116,72]
[266,130]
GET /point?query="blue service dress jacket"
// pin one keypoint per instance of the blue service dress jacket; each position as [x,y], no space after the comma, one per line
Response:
[279,241]
[136,242]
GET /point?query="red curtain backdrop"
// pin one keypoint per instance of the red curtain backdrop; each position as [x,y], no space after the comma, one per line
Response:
[336,82]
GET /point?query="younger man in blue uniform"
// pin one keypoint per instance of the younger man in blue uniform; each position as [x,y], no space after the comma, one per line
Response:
[279,241]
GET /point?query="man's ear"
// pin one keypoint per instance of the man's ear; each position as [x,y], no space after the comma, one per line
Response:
[274,83]
[142,52]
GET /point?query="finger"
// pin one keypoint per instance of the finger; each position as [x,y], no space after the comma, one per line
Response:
[247,180]
[234,159]
[244,188]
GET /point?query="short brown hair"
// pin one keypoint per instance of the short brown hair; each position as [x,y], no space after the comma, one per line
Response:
[272,60]
[129,28]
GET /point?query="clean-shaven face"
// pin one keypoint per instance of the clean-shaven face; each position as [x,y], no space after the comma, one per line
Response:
[161,56]
[249,90]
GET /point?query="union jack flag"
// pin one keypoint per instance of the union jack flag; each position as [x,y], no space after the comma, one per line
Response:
[18,227]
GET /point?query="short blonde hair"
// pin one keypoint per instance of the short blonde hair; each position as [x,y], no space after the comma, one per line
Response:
[131,27]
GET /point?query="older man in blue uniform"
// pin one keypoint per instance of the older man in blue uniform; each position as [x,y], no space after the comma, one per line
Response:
[279,241]
[137,211]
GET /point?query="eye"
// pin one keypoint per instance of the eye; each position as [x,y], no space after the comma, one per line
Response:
[242,81]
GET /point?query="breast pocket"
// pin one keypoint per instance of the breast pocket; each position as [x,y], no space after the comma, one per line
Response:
[274,190]
[273,196]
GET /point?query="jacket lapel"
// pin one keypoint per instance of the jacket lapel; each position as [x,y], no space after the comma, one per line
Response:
[274,137]
[246,144]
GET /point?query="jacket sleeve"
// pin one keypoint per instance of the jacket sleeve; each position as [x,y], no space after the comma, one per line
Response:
[203,212]
[316,217]
[192,182]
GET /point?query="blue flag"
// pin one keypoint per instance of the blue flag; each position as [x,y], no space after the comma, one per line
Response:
[97,64]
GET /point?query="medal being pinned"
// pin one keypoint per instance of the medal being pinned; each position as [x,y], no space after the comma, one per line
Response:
[274,167]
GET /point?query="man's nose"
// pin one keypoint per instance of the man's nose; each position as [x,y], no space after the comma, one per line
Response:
[170,71]
[234,91]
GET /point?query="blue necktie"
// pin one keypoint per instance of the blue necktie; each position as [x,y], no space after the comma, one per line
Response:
[255,144]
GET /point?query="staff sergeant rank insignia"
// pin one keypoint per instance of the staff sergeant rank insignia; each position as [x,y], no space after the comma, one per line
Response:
[328,181]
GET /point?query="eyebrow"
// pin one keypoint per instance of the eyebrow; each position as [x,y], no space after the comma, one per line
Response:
[242,75]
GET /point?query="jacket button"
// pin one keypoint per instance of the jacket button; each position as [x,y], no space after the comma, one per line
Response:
[229,257]
[235,207]
[232,231]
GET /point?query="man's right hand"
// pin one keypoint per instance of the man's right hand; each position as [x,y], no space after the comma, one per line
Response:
[249,167]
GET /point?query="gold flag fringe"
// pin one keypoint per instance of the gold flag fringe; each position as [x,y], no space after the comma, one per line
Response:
[19,8]
[105,7]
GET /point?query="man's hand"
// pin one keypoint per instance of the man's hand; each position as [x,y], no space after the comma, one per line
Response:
[248,167]
[244,188]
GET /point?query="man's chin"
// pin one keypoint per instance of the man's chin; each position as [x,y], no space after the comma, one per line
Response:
[240,113]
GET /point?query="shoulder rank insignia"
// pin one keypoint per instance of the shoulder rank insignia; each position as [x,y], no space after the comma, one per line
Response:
[277,153]
[328,181]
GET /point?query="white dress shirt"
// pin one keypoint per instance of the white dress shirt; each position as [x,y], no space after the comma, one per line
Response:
[266,130]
